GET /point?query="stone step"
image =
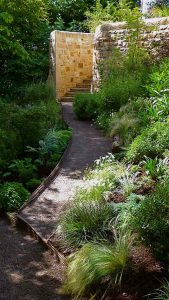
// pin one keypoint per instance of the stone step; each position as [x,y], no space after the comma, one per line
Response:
[70,94]
[83,85]
[87,81]
[79,90]
[67,99]
[73,94]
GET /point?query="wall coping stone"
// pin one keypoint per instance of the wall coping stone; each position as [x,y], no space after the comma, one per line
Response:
[109,26]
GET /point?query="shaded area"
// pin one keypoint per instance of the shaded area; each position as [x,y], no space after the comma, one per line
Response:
[88,144]
[27,271]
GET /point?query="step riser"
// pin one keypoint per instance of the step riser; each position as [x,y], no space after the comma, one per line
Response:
[87,86]
[87,81]
[82,88]
[76,93]
[76,90]
[67,99]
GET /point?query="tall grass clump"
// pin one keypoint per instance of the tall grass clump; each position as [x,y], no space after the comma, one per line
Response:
[93,193]
[86,221]
[94,262]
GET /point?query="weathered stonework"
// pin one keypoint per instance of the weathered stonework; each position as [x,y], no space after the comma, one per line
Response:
[114,35]
[76,56]
[73,59]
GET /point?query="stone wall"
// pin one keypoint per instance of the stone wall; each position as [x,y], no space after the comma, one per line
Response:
[73,59]
[114,35]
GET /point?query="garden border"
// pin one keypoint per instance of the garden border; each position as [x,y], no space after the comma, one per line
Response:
[41,188]
[45,183]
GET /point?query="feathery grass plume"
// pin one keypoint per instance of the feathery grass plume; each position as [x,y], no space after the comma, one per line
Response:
[94,262]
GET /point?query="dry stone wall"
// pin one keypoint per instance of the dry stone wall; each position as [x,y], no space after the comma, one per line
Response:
[73,59]
[114,35]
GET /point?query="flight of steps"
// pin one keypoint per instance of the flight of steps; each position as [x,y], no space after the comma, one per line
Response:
[83,87]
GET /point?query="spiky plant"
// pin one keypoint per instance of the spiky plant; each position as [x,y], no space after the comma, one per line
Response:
[93,193]
[86,221]
[161,294]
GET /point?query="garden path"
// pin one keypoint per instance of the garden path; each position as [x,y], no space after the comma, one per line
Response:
[88,144]
[27,270]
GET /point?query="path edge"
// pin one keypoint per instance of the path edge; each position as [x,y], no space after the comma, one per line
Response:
[41,188]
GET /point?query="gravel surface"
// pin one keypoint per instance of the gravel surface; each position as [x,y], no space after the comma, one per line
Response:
[27,271]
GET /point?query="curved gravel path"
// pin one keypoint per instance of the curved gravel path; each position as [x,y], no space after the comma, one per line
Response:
[88,144]
[27,271]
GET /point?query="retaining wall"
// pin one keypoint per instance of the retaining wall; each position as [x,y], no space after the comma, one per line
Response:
[114,35]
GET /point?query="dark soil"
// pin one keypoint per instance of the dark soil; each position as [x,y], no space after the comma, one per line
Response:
[142,276]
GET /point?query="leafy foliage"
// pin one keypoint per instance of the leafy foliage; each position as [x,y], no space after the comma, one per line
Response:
[15,132]
[39,92]
[32,184]
[99,14]
[12,196]
[54,143]
[86,106]
[151,221]
[24,49]
[152,142]
[24,169]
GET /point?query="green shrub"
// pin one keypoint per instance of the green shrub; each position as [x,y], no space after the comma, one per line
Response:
[157,87]
[30,124]
[127,122]
[159,11]
[152,142]
[150,220]
[24,169]
[12,196]
[9,145]
[84,222]
[120,82]
[40,119]
[52,146]
[159,79]
[103,121]
[99,14]
[26,125]
[117,91]
[92,264]
[38,92]
[125,126]
[86,106]
[32,184]
[53,160]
